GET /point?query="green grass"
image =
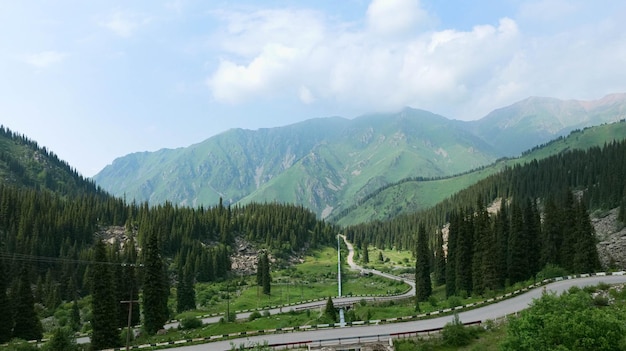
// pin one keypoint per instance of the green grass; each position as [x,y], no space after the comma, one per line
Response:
[315,278]
[411,196]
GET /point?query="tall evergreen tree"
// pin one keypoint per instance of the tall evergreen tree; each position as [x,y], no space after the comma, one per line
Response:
[439,269]
[551,234]
[330,310]
[453,232]
[104,302]
[517,262]
[501,228]
[155,287]
[26,325]
[366,255]
[586,256]
[5,307]
[423,285]
[185,293]
[464,250]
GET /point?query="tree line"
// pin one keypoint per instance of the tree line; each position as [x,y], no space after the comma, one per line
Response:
[544,220]
[49,243]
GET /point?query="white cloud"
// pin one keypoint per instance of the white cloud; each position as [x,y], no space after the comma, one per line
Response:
[394,16]
[45,58]
[383,65]
[124,23]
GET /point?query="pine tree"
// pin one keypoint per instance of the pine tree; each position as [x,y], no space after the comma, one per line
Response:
[104,303]
[266,278]
[439,269]
[26,325]
[366,256]
[330,310]
[453,231]
[155,287]
[586,256]
[423,285]
[501,228]
[5,308]
[551,234]
[517,262]
[464,250]
[185,293]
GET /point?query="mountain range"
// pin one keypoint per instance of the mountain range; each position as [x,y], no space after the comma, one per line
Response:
[330,164]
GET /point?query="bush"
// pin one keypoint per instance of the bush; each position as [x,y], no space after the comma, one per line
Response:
[454,301]
[254,315]
[551,271]
[190,323]
[455,334]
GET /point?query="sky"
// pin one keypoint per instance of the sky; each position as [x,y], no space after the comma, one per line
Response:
[99,79]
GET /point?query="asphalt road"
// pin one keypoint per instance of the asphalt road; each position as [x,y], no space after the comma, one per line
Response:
[383,331]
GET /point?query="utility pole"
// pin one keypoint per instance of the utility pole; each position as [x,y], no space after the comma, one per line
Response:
[130,303]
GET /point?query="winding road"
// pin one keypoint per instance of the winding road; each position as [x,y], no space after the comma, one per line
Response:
[383,331]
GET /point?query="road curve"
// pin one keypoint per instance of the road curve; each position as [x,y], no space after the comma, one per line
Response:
[493,311]
[354,266]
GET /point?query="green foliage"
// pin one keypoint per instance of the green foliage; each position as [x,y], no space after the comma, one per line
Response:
[551,271]
[155,288]
[329,311]
[423,285]
[263,276]
[104,302]
[456,334]
[62,339]
[421,193]
[571,321]
[27,325]
[190,323]
[255,315]
[6,327]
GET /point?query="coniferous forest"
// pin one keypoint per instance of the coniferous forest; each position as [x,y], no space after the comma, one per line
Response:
[54,246]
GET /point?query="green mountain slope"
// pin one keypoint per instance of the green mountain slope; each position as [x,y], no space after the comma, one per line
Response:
[411,195]
[535,120]
[24,164]
[330,164]
[319,163]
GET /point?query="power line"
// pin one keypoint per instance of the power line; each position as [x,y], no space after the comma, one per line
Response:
[48,259]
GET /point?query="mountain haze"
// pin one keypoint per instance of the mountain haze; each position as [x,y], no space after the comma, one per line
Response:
[328,164]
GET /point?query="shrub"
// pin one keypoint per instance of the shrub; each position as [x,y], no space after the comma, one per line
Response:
[190,323]
[456,334]
[254,315]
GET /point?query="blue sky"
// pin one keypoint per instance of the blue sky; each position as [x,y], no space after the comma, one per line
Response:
[96,80]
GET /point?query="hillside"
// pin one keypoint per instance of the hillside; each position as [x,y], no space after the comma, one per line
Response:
[24,164]
[319,163]
[410,195]
[329,164]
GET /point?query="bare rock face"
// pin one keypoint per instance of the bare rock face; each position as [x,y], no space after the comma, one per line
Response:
[611,235]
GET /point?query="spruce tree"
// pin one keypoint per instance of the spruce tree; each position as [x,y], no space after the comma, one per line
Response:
[517,262]
[464,257]
[366,256]
[586,256]
[453,231]
[267,278]
[439,270]
[155,287]
[423,285]
[185,293]
[27,325]
[5,307]
[330,310]
[104,302]
[501,229]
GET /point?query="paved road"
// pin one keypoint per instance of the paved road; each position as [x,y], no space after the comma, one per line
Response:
[354,266]
[493,311]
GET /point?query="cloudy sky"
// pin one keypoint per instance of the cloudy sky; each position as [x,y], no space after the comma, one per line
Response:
[95,80]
